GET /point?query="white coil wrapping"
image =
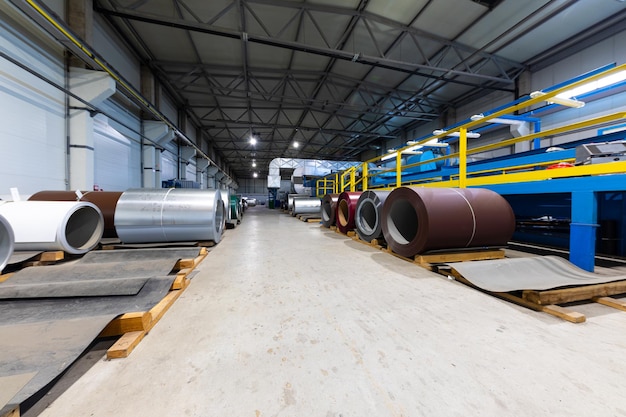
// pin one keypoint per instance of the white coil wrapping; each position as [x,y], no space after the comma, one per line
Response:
[71,226]
[7,244]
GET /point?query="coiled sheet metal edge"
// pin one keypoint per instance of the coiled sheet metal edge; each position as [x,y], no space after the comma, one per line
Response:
[106,201]
[7,239]
[329,209]
[346,208]
[416,220]
[368,216]
[71,226]
[306,205]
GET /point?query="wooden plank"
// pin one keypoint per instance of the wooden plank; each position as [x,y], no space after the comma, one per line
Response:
[313,220]
[125,323]
[554,310]
[159,310]
[568,295]
[51,256]
[460,256]
[184,263]
[179,281]
[125,345]
[5,277]
[13,413]
[611,302]
[351,233]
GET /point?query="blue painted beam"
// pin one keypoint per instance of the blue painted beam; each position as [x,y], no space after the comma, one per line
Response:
[582,240]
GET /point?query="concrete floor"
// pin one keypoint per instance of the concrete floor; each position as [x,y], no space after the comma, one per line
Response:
[287,319]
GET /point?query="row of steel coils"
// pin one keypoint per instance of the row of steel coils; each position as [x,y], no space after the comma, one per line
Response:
[414,220]
[75,222]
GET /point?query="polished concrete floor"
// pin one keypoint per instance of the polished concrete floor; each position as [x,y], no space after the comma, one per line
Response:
[287,319]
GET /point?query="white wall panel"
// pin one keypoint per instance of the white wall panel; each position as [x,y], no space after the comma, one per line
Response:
[169,166]
[115,53]
[117,158]
[32,120]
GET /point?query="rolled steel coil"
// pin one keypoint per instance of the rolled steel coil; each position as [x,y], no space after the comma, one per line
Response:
[368,216]
[306,205]
[416,220]
[290,198]
[7,239]
[329,209]
[106,201]
[170,215]
[346,209]
[75,227]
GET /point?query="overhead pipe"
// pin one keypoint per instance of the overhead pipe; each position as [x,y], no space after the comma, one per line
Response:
[368,216]
[329,209]
[346,209]
[106,201]
[71,226]
[7,239]
[306,205]
[417,220]
[170,215]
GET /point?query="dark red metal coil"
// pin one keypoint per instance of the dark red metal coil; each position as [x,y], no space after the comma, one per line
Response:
[329,209]
[106,201]
[416,220]
[346,209]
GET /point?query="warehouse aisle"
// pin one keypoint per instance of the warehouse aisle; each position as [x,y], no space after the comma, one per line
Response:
[287,319]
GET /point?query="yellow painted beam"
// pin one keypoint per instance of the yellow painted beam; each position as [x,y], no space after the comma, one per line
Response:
[463,159]
[365,174]
[398,169]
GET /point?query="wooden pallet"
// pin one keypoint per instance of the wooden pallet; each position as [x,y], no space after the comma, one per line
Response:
[133,327]
[547,301]
[375,243]
[429,261]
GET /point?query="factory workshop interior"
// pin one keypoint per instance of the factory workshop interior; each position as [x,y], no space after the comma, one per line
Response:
[312,208]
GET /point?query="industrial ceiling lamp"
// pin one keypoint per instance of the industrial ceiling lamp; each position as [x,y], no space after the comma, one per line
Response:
[253,164]
[254,174]
[568,102]
[253,139]
[296,144]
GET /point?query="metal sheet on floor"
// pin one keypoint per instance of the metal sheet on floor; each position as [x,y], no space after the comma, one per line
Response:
[532,273]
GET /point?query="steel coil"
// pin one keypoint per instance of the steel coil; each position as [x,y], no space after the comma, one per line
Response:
[329,209]
[416,220]
[71,226]
[106,201]
[306,205]
[170,215]
[369,210]
[346,208]
[290,198]
[235,208]
[7,239]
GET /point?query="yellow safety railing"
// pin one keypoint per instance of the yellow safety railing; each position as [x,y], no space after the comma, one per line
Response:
[520,173]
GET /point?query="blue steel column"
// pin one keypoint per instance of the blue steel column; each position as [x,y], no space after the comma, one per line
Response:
[582,240]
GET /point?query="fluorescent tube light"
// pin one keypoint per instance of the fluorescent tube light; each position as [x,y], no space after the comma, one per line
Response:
[470,135]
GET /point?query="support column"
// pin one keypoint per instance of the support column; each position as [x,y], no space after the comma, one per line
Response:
[159,133]
[93,87]
[582,240]
[80,20]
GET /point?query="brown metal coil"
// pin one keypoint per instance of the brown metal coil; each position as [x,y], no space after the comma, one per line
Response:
[106,201]
[416,220]
[346,209]
[329,209]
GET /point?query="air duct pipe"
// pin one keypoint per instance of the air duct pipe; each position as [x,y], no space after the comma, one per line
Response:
[346,208]
[73,227]
[170,215]
[416,220]
[368,216]
[7,239]
[106,201]
[306,205]
[329,209]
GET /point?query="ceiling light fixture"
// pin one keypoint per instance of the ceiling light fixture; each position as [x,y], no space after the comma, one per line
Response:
[500,120]
[254,174]
[296,144]
[470,135]
[253,164]
[253,140]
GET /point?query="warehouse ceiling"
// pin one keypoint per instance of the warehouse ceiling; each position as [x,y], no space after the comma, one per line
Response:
[341,77]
